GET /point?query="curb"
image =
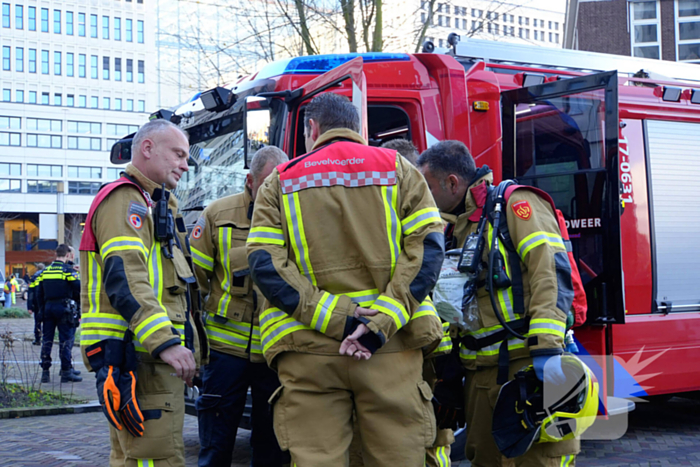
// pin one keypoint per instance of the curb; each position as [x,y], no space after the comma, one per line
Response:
[24,412]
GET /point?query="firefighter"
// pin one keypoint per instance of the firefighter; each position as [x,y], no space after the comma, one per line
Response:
[15,288]
[57,285]
[236,362]
[345,244]
[139,330]
[404,147]
[460,192]
[31,302]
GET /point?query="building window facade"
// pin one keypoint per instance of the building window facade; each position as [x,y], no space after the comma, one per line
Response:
[69,23]
[105,67]
[19,59]
[105,27]
[688,30]
[44,62]
[646,29]
[31,18]
[81,65]
[93,26]
[117,69]
[6,57]
[57,21]
[142,71]
[39,170]
[44,20]
[19,17]
[129,30]
[117,29]
[70,65]
[81,24]
[57,63]
[139,31]
[93,67]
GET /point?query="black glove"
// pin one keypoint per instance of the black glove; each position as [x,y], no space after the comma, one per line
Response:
[448,403]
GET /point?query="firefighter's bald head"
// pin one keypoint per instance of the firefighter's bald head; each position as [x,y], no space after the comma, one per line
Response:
[160,150]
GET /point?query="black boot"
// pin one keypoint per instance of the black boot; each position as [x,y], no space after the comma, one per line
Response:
[36,342]
[69,377]
[45,376]
[74,371]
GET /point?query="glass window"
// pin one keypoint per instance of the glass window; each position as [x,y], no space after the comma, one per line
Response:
[44,62]
[57,21]
[688,35]
[117,104]
[105,67]
[93,26]
[32,60]
[43,141]
[32,18]
[42,186]
[81,65]
[6,55]
[141,76]
[84,143]
[129,105]
[112,173]
[10,169]
[9,139]
[44,20]
[117,69]
[139,31]
[39,170]
[10,186]
[117,29]
[83,188]
[645,37]
[94,102]
[32,97]
[57,63]
[44,98]
[19,95]
[114,129]
[129,70]
[5,15]
[19,59]
[142,106]
[44,124]
[105,27]
[82,101]
[129,30]
[84,172]
[57,99]
[70,100]
[19,17]
[69,64]
[6,95]
[93,66]
[105,103]
[81,24]
[69,23]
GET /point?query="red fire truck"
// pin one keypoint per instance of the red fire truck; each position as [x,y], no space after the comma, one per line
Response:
[618,153]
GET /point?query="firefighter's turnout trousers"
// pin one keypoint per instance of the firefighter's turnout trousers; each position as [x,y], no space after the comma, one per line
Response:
[161,444]
[481,392]
[312,410]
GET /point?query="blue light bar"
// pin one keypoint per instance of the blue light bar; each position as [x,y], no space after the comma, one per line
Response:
[317,64]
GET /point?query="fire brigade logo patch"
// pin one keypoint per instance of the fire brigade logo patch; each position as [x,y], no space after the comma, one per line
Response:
[136,221]
[198,228]
[522,209]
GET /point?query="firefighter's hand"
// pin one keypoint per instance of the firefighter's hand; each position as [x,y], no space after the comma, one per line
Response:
[351,345]
[548,369]
[359,311]
[182,361]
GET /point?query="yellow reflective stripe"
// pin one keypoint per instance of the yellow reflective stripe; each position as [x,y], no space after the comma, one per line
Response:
[202,260]
[269,235]
[363,298]
[151,324]
[323,312]
[145,463]
[295,222]
[566,461]
[466,354]
[94,282]
[392,308]
[548,326]
[442,458]
[121,244]
[280,329]
[389,197]
[505,297]
[426,309]
[419,219]
[536,239]
[155,273]
[224,247]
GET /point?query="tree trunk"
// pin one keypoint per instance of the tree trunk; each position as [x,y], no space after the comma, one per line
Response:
[377,39]
[424,28]
[305,35]
[348,7]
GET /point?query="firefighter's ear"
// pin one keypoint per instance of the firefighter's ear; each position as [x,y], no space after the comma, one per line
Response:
[249,181]
[315,129]
[453,183]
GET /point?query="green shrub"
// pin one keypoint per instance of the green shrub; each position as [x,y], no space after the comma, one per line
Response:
[14,312]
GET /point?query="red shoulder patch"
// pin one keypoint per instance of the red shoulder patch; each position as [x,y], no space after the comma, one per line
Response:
[522,209]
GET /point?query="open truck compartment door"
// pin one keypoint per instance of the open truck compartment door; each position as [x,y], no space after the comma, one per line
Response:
[562,137]
[350,75]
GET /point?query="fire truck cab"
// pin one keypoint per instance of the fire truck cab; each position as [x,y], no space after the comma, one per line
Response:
[619,155]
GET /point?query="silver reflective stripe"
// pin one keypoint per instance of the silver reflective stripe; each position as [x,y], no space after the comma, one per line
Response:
[114,245]
[98,337]
[535,326]
[274,236]
[297,235]
[429,308]
[394,220]
[327,301]
[156,270]
[226,337]
[87,319]
[364,298]
[145,329]
[279,330]
[94,282]
[202,259]
[547,238]
[479,334]
[226,286]
[229,325]
[275,314]
[422,217]
[399,313]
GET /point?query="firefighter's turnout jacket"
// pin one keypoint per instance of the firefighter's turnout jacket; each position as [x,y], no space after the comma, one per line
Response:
[544,267]
[219,254]
[314,273]
[129,282]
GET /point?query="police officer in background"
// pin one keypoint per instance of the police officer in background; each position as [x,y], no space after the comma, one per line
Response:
[32,305]
[57,286]
[236,362]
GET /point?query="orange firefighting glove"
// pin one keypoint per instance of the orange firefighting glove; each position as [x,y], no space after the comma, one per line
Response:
[108,394]
[129,410]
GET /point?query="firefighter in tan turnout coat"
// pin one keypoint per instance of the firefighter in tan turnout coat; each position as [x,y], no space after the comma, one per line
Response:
[346,243]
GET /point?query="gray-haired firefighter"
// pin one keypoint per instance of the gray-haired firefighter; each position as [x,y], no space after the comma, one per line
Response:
[531,287]
[140,333]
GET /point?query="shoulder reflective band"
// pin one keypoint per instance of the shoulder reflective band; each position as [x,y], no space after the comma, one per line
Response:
[392,308]
[295,224]
[224,247]
[419,219]
[202,260]
[547,326]
[505,297]
[323,312]
[122,244]
[389,196]
[539,238]
[268,235]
